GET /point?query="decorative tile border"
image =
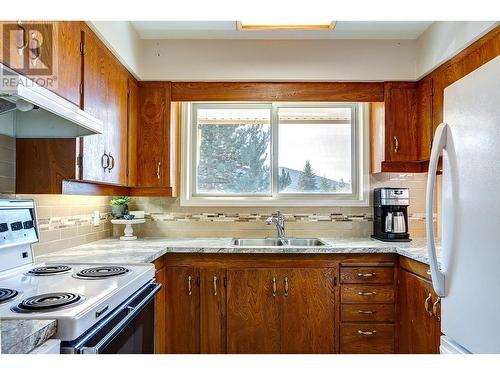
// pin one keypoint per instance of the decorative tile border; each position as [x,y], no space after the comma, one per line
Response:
[53,223]
[249,218]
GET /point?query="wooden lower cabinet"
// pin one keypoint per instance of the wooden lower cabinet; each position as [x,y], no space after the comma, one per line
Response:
[213,311]
[281,310]
[182,310]
[308,311]
[366,338]
[253,311]
[419,326]
[250,303]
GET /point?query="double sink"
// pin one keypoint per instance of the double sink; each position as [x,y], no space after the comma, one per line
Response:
[264,242]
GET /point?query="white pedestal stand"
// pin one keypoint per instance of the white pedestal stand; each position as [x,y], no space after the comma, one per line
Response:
[129,232]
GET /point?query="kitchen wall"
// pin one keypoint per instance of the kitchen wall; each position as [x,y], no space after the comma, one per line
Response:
[7,164]
[165,216]
[67,220]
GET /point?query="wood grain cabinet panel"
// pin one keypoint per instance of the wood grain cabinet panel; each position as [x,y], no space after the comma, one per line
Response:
[160,303]
[419,326]
[367,293]
[308,310]
[367,312]
[213,311]
[153,142]
[402,115]
[366,338]
[182,310]
[253,311]
[367,275]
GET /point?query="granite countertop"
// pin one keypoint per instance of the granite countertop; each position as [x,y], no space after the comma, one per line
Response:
[22,336]
[148,249]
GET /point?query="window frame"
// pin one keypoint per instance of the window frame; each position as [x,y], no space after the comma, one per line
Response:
[359,160]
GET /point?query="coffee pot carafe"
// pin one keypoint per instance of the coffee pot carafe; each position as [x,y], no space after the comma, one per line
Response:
[390,214]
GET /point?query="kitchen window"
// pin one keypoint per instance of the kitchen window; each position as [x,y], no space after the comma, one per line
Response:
[274,154]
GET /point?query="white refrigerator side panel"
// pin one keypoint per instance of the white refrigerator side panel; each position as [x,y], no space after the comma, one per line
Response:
[471,211]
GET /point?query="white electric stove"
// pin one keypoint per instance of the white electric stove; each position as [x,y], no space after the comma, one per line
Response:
[99,308]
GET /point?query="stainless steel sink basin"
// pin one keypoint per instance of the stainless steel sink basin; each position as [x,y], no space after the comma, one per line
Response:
[257,242]
[304,242]
[263,242]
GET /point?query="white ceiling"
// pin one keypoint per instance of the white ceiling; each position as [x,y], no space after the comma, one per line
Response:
[227,30]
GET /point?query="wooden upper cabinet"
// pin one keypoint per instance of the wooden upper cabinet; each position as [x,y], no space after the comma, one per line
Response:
[182,310]
[133,129]
[105,96]
[153,137]
[418,321]
[308,311]
[253,311]
[69,60]
[401,106]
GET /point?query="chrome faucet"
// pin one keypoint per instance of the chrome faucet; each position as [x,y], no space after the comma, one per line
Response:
[279,221]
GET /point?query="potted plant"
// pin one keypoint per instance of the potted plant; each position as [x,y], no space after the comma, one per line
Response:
[119,206]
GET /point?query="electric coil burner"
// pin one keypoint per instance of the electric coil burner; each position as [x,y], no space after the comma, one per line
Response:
[101,272]
[48,270]
[48,302]
[7,294]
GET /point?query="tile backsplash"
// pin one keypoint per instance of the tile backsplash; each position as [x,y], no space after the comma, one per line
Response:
[67,221]
[165,216]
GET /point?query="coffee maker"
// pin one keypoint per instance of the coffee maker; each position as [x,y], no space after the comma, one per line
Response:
[390,214]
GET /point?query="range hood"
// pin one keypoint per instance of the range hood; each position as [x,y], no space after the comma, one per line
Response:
[28,110]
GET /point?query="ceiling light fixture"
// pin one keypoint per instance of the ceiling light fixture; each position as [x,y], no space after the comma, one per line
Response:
[266,25]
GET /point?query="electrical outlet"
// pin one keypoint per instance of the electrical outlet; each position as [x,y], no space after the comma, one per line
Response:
[97,218]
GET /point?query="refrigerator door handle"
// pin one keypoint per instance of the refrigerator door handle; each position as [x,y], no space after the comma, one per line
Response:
[438,146]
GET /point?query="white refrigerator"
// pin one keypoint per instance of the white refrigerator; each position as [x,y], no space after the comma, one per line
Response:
[468,279]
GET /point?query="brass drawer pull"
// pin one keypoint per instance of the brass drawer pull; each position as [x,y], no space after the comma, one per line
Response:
[366,312]
[366,294]
[369,274]
[190,288]
[427,303]
[215,285]
[274,286]
[366,333]
[396,144]
[286,286]
[158,165]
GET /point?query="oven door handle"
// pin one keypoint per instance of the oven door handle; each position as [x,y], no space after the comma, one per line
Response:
[133,311]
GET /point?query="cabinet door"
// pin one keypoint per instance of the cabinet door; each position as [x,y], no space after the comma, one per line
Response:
[212,311]
[154,136]
[69,60]
[161,332]
[253,311]
[133,128]
[418,331]
[116,127]
[308,313]
[95,101]
[402,104]
[182,310]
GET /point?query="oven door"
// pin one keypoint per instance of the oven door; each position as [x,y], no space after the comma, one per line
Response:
[129,329]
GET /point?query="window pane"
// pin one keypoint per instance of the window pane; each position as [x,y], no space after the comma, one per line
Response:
[233,150]
[315,150]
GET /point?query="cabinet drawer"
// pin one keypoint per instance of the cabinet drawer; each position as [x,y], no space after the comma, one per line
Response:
[367,293]
[367,275]
[360,338]
[367,312]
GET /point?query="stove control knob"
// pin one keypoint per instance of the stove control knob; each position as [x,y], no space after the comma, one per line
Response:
[18,225]
[28,224]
